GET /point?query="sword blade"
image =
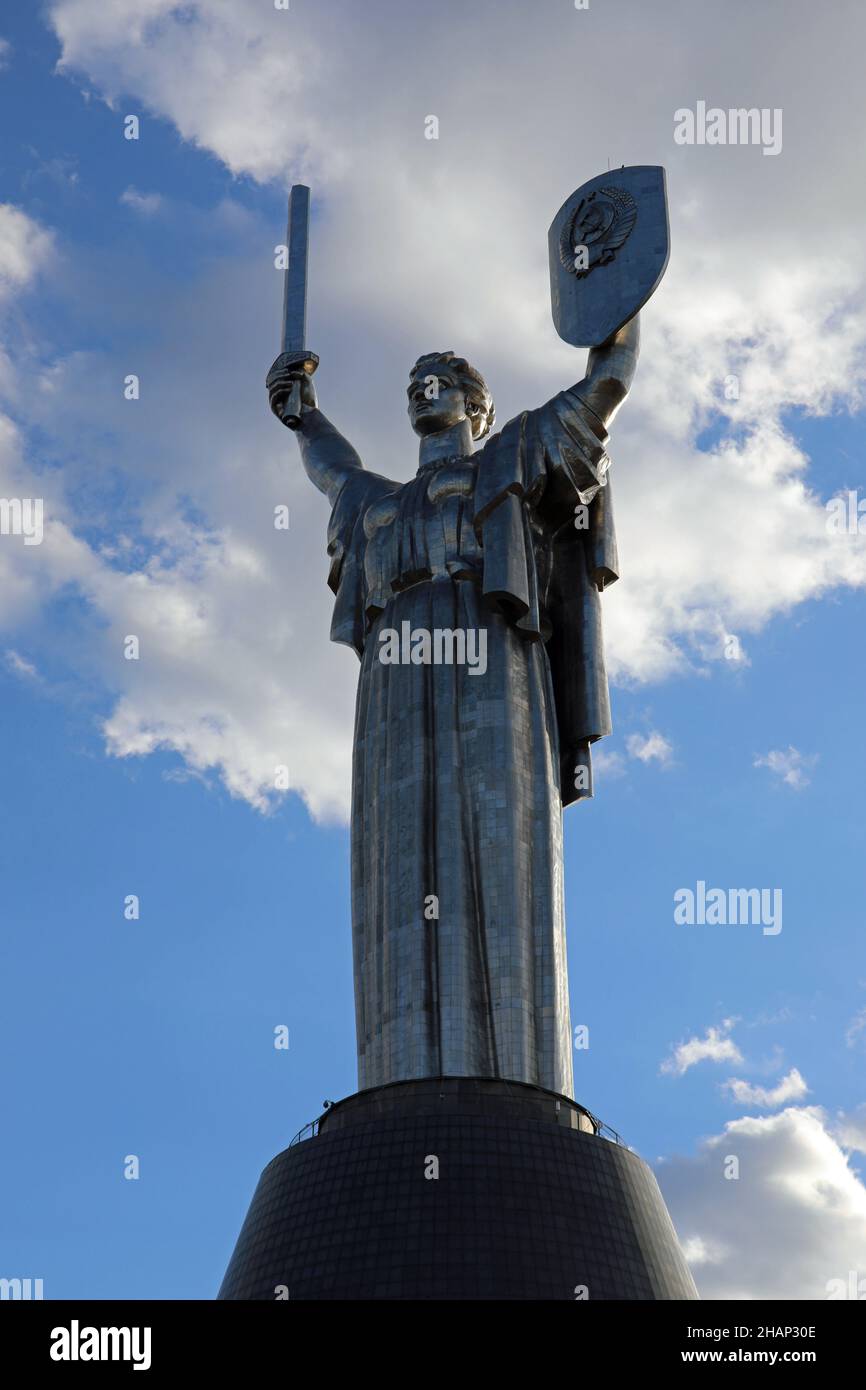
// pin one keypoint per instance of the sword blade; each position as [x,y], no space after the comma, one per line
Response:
[295,283]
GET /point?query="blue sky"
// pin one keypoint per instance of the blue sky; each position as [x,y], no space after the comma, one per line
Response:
[155,1037]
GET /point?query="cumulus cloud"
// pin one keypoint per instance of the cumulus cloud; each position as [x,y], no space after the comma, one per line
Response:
[30,575]
[850,1129]
[208,687]
[715,1046]
[417,242]
[650,748]
[235,672]
[607,762]
[856,1029]
[789,764]
[790,1087]
[146,203]
[25,246]
[790,1225]
[20,666]
[699,1251]
[237,78]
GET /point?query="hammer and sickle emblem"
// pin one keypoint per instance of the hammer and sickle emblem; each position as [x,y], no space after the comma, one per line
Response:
[601,224]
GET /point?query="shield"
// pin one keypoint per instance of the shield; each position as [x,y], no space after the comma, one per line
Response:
[609,246]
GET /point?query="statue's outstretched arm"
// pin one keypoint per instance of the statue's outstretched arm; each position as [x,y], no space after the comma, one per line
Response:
[328,458]
[610,371]
[556,456]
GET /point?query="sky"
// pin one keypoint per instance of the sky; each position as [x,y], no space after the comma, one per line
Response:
[734,637]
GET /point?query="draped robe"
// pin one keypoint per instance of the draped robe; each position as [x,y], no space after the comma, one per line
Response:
[460,775]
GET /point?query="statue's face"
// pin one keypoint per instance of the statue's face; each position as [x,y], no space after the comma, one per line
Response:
[436,399]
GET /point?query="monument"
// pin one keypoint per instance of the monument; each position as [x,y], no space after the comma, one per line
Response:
[464,1167]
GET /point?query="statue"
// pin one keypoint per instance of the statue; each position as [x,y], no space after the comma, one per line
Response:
[471,595]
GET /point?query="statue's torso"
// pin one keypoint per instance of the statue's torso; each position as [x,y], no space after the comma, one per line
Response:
[422,531]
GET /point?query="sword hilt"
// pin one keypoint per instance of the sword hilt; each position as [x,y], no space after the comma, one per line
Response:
[290,411]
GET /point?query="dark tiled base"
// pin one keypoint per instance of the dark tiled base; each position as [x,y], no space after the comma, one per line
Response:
[527,1205]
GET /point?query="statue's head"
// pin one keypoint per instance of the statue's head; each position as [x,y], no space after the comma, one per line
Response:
[443,390]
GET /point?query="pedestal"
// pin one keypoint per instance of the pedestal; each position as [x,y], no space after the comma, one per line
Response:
[457,1188]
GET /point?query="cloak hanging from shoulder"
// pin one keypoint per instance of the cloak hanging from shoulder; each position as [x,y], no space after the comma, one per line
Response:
[544,515]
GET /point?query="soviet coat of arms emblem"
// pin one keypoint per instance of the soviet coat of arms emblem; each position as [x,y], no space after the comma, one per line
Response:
[601,224]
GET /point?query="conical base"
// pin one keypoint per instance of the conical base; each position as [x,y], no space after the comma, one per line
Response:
[457,1188]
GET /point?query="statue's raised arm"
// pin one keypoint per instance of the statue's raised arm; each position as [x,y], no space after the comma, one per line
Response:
[328,458]
[610,372]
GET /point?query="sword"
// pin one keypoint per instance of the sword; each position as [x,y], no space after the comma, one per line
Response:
[294,349]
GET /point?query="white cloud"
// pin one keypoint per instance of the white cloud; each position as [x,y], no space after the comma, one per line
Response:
[856,1028]
[790,1087]
[420,242]
[715,1046]
[29,575]
[699,1251]
[850,1129]
[20,666]
[208,687]
[25,247]
[650,748]
[792,1221]
[608,762]
[146,203]
[236,77]
[229,678]
[5,51]
[790,765]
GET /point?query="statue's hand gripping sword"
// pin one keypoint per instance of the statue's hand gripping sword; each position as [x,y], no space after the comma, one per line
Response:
[285,379]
